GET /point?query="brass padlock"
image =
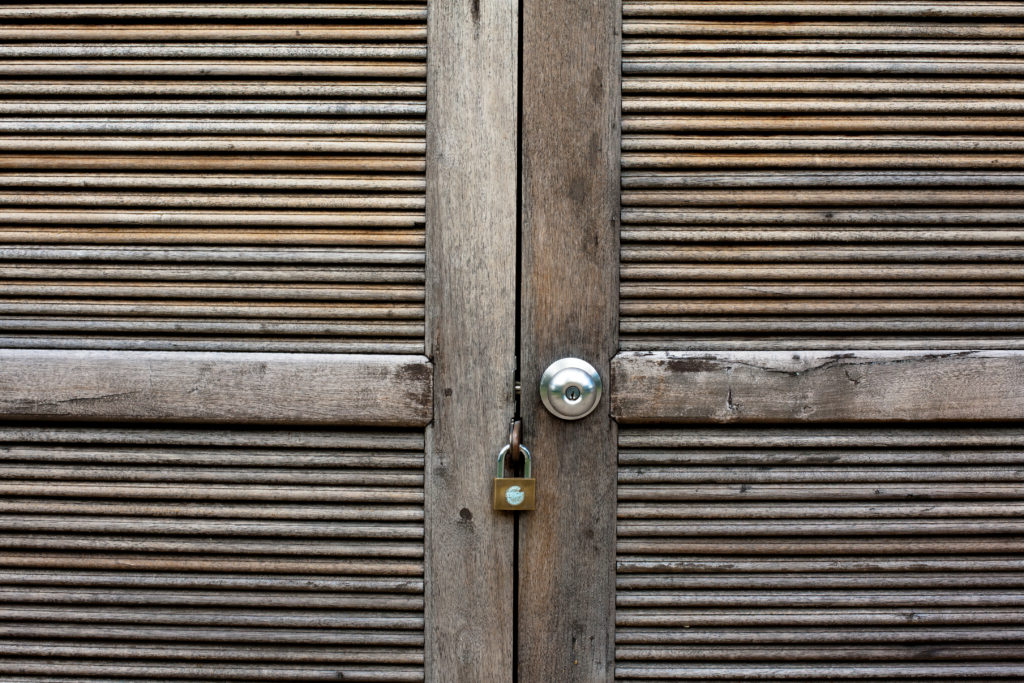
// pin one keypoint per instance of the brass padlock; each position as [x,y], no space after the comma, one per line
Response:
[515,493]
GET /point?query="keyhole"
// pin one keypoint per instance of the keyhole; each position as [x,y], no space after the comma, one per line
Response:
[572,393]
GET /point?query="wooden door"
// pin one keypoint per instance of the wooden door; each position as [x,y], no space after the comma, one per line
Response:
[230,340]
[808,308]
[271,271]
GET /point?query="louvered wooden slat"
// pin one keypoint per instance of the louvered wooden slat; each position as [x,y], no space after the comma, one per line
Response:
[115,582]
[830,580]
[254,131]
[808,148]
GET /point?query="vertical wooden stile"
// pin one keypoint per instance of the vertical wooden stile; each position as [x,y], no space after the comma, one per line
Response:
[471,252]
[570,216]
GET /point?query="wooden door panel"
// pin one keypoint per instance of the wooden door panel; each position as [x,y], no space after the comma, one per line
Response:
[819,227]
[798,552]
[213,215]
[820,176]
[234,178]
[211,553]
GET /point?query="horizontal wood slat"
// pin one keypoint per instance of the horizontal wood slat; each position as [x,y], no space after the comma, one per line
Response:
[798,9]
[817,386]
[807,587]
[114,583]
[863,137]
[212,387]
[226,128]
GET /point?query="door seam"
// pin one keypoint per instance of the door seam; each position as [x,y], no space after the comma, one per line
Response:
[517,380]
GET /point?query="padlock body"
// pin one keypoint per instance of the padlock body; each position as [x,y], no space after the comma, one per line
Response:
[515,494]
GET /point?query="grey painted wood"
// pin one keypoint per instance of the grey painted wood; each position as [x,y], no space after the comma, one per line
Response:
[212,387]
[471,251]
[570,203]
[817,386]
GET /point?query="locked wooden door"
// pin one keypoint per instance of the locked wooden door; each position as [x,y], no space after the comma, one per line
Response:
[213,380]
[273,274]
[791,248]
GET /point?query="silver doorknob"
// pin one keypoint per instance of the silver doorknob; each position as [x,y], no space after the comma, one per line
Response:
[570,388]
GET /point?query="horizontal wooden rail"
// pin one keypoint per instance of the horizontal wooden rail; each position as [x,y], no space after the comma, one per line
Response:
[210,387]
[817,386]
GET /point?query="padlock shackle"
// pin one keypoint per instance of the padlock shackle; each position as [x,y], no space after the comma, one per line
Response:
[527,461]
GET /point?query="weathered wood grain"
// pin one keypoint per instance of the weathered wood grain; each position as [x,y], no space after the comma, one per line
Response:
[341,576]
[920,574]
[288,134]
[214,634]
[817,386]
[828,124]
[570,204]
[211,387]
[890,439]
[244,653]
[782,11]
[471,318]
[190,15]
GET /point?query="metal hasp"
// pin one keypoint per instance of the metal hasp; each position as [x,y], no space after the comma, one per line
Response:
[570,388]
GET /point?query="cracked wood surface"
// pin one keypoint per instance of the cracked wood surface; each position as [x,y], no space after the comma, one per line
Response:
[817,386]
[210,387]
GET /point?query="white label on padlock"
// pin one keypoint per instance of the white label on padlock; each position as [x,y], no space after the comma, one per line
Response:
[514,495]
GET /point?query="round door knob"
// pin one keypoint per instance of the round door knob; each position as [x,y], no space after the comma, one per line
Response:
[570,388]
